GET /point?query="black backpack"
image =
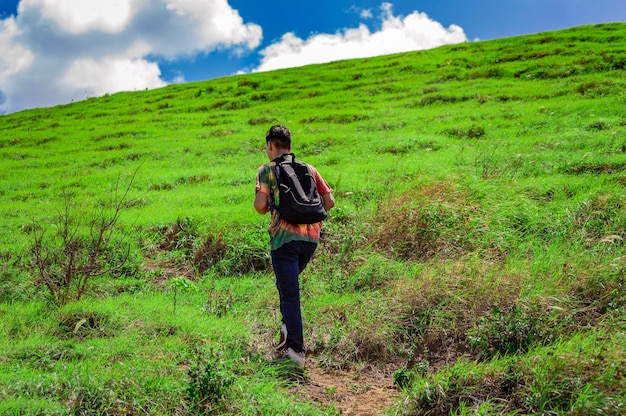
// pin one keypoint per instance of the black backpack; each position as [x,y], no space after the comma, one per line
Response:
[299,200]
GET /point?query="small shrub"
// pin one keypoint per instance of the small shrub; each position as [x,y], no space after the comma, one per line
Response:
[373,274]
[208,384]
[404,377]
[511,331]
[243,258]
[83,246]
[599,167]
[239,104]
[408,234]
[246,252]
[181,284]
[344,348]
[89,398]
[461,389]
[599,126]
[180,235]
[342,237]
[595,89]
[247,83]
[262,120]
[600,220]
[202,92]
[442,99]
[337,118]
[225,254]
[491,72]
[579,376]
[219,104]
[472,132]
[602,292]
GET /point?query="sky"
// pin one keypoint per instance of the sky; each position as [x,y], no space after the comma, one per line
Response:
[59,51]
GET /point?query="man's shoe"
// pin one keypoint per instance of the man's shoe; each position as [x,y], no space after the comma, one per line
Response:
[296,357]
[282,341]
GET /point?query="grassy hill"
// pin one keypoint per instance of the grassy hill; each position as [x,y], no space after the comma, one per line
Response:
[475,262]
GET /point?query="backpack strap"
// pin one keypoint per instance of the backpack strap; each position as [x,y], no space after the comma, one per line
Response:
[296,183]
[276,169]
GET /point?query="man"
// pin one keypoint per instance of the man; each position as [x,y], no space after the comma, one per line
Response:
[291,245]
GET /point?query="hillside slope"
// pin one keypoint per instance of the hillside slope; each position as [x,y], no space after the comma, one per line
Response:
[542,88]
[475,261]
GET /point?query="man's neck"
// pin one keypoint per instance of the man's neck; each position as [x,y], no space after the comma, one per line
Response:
[278,152]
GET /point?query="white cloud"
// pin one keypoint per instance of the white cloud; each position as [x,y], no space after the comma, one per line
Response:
[112,74]
[216,21]
[363,13]
[397,34]
[56,51]
[14,57]
[178,79]
[79,16]
[366,14]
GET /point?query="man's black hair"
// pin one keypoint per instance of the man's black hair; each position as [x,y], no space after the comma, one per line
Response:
[280,136]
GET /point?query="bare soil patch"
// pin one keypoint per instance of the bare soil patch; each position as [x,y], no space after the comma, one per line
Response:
[365,392]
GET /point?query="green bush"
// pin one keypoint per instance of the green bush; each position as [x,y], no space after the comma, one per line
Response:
[510,331]
[208,385]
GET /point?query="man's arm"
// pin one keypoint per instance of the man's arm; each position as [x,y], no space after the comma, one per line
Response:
[329,200]
[261,203]
[324,190]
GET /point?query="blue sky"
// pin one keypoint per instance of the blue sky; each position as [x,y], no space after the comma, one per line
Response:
[58,51]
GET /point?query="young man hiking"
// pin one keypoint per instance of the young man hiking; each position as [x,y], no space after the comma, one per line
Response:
[291,244]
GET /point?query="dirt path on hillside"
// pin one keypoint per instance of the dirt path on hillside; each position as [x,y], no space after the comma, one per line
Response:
[366,392]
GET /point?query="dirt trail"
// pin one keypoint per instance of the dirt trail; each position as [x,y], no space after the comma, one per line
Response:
[366,392]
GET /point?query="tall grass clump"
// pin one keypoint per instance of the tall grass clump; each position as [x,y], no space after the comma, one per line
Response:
[427,221]
[567,377]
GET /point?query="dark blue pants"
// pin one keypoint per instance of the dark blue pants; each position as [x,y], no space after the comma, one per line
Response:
[288,261]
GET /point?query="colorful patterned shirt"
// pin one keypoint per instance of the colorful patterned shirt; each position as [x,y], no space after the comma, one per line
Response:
[281,231]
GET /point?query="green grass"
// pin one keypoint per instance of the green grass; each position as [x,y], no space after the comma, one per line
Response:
[477,246]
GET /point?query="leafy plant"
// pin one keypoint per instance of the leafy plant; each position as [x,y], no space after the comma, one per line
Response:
[404,377]
[208,384]
[181,284]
